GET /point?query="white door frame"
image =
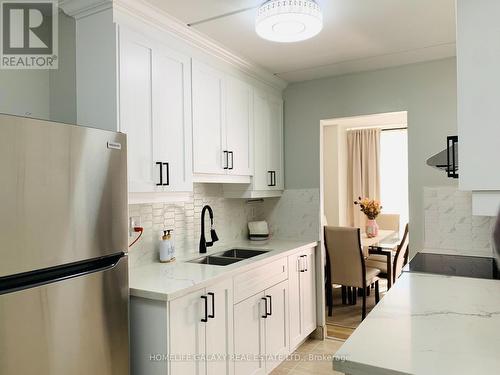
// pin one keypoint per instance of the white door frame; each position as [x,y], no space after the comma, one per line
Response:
[385,120]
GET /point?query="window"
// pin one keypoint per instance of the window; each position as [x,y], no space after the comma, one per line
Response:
[394,173]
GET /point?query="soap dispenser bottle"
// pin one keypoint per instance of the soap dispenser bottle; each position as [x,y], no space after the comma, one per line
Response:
[167,248]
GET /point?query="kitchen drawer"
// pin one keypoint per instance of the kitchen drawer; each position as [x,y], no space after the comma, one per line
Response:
[259,279]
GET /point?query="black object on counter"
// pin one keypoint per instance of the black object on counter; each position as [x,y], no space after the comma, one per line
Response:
[454,265]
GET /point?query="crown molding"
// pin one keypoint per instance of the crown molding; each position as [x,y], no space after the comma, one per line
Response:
[83,8]
[158,18]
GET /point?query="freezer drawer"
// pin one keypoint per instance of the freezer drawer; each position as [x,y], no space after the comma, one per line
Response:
[76,326]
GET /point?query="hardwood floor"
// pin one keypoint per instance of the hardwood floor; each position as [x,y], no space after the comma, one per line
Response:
[346,318]
[339,332]
[313,357]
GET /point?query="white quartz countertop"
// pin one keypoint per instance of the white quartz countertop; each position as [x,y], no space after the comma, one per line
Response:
[428,325]
[166,281]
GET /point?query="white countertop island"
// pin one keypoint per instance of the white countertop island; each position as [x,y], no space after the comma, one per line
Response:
[428,325]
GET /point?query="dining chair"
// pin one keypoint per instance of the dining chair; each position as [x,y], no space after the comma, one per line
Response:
[401,257]
[347,263]
[388,222]
[389,262]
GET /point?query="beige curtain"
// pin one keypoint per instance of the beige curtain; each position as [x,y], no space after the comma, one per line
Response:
[363,174]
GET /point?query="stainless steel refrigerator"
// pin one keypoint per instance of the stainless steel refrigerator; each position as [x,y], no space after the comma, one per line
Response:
[63,244]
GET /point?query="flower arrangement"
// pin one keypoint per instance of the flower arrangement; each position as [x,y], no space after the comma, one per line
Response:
[370,207]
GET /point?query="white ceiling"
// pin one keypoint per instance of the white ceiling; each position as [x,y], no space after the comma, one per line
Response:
[358,35]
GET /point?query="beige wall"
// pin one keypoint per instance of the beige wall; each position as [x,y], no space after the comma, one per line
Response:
[426,90]
[331,171]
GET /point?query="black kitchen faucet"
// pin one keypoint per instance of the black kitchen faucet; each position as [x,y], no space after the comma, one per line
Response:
[203,243]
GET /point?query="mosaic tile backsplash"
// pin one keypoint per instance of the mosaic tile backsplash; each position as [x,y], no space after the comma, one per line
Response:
[450,225]
[230,218]
[293,216]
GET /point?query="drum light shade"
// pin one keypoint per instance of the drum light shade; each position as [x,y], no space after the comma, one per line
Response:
[288,21]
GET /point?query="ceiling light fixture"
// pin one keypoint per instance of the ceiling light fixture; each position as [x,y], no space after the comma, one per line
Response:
[288,20]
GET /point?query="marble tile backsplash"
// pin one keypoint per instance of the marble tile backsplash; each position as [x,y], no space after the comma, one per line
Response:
[450,225]
[293,216]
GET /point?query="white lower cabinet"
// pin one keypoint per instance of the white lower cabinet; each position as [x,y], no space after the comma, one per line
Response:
[276,325]
[302,283]
[187,334]
[197,337]
[261,331]
[219,329]
[249,333]
[200,335]
[206,333]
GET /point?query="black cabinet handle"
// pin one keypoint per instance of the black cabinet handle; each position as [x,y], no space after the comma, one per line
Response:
[272,175]
[226,156]
[448,158]
[168,174]
[307,265]
[270,305]
[232,160]
[302,268]
[265,308]
[205,319]
[161,173]
[451,141]
[211,294]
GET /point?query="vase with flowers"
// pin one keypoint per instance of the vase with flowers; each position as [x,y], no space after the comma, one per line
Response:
[371,208]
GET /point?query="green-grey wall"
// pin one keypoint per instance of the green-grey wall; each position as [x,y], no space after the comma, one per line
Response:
[426,90]
[63,80]
[45,94]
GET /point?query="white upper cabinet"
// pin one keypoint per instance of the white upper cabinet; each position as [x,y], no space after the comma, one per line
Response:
[268,115]
[478,62]
[155,113]
[172,117]
[239,126]
[222,126]
[478,85]
[261,179]
[186,121]
[268,179]
[275,143]
[208,120]
[135,110]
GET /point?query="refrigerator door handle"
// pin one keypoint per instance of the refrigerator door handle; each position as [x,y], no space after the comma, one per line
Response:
[26,280]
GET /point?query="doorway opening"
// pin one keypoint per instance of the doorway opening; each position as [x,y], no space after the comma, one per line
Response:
[385,164]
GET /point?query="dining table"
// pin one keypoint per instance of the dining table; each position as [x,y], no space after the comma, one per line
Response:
[383,239]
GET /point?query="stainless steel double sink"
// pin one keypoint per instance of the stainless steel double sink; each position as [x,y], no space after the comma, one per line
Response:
[228,257]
